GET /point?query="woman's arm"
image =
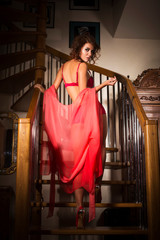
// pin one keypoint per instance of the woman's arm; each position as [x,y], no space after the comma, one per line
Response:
[58,79]
[109,82]
[82,76]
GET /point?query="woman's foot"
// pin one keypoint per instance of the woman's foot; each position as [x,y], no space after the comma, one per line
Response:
[98,195]
[80,218]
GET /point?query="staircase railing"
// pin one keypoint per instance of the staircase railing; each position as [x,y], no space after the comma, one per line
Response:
[130,131]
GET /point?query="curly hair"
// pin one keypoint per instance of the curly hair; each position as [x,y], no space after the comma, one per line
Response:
[79,42]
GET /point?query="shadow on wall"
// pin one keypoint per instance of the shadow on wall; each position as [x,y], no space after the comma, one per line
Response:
[112,10]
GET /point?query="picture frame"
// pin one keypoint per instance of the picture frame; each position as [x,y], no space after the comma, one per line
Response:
[93,27]
[84,4]
[50,13]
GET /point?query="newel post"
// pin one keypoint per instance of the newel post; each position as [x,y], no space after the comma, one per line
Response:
[22,180]
[152,179]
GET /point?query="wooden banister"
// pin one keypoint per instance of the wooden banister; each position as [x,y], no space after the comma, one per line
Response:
[22,179]
[152,179]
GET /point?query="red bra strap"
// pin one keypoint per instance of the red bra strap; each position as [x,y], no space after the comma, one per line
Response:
[62,75]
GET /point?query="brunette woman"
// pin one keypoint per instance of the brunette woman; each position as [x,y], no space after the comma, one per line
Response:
[77,131]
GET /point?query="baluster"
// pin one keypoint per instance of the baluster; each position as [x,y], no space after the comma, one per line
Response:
[119,113]
[93,75]
[123,135]
[48,85]
[144,182]
[114,122]
[137,161]
[108,113]
[51,57]
[100,80]
[15,52]
[59,90]
[127,120]
[25,48]
[5,71]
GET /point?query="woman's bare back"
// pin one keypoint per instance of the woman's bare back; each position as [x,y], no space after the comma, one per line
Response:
[70,75]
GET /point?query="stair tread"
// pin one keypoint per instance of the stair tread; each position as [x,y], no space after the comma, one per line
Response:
[116,165]
[12,59]
[103,182]
[12,14]
[111,149]
[14,83]
[19,106]
[10,37]
[91,231]
[86,204]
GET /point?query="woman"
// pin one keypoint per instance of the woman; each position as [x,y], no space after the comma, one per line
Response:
[77,132]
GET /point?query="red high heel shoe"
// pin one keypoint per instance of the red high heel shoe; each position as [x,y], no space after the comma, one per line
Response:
[80,218]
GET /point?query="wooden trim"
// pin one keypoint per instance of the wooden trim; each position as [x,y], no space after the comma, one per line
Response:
[33,105]
[57,53]
[22,179]
[115,231]
[136,103]
[86,204]
[152,180]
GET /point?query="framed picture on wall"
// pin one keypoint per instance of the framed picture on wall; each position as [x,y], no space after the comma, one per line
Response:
[50,14]
[93,27]
[84,4]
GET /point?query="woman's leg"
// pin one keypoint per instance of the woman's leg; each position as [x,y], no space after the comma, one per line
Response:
[80,216]
[79,197]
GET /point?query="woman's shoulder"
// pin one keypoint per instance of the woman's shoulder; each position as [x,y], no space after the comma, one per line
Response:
[83,67]
[76,64]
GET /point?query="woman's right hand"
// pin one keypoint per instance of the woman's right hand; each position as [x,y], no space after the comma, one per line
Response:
[40,87]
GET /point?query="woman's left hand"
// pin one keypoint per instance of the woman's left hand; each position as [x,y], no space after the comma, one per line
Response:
[111,81]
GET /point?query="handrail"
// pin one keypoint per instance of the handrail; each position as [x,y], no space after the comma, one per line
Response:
[34,102]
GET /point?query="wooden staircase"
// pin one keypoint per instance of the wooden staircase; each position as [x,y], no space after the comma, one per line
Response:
[132,144]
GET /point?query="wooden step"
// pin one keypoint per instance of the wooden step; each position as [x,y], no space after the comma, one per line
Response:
[91,231]
[8,14]
[12,27]
[116,165]
[23,102]
[13,37]
[12,59]
[86,204]
[109,149]
[103,182]
[17,82]
[28,1]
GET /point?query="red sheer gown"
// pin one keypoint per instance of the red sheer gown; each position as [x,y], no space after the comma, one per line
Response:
[73,143]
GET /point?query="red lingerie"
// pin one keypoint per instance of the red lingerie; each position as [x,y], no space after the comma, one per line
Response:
[90,84]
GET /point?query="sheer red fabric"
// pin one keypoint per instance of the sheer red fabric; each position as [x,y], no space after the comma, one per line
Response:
[73,147]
